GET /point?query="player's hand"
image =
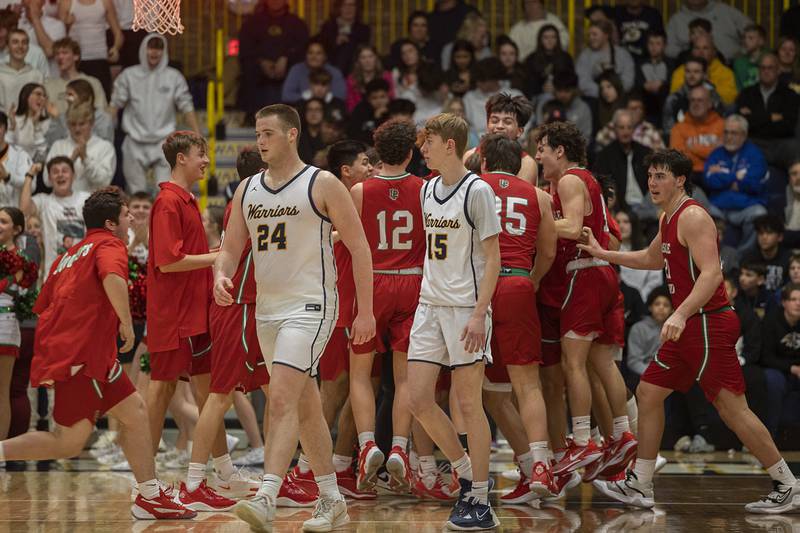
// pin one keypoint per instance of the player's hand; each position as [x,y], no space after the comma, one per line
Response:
[474,333]
[222,291]
[673,328]
[127,336]
[363,328]
[587,242]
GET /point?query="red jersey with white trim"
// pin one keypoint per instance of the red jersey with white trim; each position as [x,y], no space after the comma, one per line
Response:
[77,323]
[345,284]
[596,218]
[391,214]
[613,225]
[244,280]
[518,207]
[679,267]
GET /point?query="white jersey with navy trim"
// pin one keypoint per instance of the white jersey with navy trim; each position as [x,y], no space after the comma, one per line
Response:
[455,261]
[292,249]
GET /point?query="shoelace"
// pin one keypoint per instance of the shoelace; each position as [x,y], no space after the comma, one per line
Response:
[323,506]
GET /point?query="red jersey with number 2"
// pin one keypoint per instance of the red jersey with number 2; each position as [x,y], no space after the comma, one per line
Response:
[518,207]
[391,213]
[679,266]
[596,218]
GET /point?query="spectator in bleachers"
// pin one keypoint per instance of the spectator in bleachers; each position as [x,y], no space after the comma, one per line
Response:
[404,76]
[30,122]
[15,72]
[700,132]
[771,109]
[67,55]
[474,30]
[792,211]
[717,73]
[319,86]
[699,28]
[14,164]
[270,41]
[459,75]
[653,75]
[792,277]
[80,92]
[780,355]
[633,239]
[488,74]
[599,13]
[611,98]
[752,295]
[728,256]
[601,55]
[446,20]
[788,63]
[343,33]
[729,24]
[418,34]
[131,41]
[677,104]
[297,79]
[93,158]
[790,22]
[644,132]
[366,67]
[370,112]
[548,59]
[526,32]
[310,141]
[644,338]
[433,92]
[565,86]
[635,21]
[148,120]
[35,56]
[734,175]
[455,105]
[745,67]
[508,54]
[42,28]
[86,24]
[770,250]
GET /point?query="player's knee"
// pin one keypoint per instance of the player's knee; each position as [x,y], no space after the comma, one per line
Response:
[646,396]
[280,406]
[420,403]
[471,407]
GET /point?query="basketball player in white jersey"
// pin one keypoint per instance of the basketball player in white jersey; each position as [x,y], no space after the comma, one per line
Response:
[452,325]
[288,212]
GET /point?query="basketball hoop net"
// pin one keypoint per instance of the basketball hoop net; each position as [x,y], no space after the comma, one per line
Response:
[160,16]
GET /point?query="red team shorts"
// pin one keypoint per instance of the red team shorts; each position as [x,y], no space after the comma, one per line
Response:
[336,357]
[516,336]
[9,351]
[693,358]
[395,298]
[191,358]
[236,362]
[550,325]
[82,397]
[594,306]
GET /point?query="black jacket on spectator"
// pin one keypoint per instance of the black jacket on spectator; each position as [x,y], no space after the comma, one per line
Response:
[394,59]
[783,101]
[777,267]
[308,146]
[790,22]
[444,25]
[781,346]
[540,66]
[342,55]
[757,305]
[751,332]
[633,29]
[363,123]
[612,161]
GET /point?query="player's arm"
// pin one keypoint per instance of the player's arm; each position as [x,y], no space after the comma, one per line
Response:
[357,194]
[570,190]
[648,259]
[190,262]
[168,244]
[333,197]
[116,289]
[699,234]
[232,246]
[529,171]
[26,203]
[545,239]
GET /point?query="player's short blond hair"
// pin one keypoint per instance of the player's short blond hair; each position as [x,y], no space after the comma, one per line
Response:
[449,126]
[181,142]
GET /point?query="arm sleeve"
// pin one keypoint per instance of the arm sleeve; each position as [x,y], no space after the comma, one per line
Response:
[626,66]
[751,330]
[291,86]
[726,85]
[753,182]
[17,171]
[40,201]
[583,68]
[183,98]
[112,258]
[482,211]
[45,297]
[167,235]
[717,181]
[769,348]
[673,46]
[338,86]
[120,94]
[99,166]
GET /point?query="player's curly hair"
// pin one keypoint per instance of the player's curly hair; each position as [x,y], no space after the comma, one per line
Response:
[564,134]
[394,139]
[519,106]
[104,204]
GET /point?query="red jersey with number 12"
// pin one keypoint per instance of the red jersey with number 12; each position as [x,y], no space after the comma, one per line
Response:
[679,266]
[391,213]
[244,281]
[518,207]
[596,218]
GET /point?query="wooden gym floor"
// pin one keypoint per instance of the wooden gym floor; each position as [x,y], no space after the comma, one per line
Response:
[695,493]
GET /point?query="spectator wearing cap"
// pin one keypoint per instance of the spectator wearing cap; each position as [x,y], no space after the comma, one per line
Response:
[676,106]
[717,73]
[526,31]
[602,55]
[729,24]
[576,110]
[487,76]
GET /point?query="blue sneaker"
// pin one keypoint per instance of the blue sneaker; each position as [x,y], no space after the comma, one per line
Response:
[473,516]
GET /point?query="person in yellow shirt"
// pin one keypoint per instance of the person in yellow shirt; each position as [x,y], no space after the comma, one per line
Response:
[718,74]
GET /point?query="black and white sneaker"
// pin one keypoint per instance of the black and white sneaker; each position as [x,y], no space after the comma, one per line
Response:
[782,499]
[628,491]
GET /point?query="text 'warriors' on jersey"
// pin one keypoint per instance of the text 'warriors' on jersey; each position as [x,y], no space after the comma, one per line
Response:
[457,218]
[292,249]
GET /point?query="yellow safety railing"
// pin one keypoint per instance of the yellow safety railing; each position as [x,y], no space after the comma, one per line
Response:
[215,111]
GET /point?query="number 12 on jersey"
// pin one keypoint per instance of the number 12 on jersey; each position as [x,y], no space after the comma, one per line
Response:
[398,243]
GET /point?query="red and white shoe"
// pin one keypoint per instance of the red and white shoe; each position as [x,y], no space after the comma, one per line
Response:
[521,494]
[370,459]
[240,485]
[346,480]
[578,456]
[203,499]
[541,482]
[305,481]
[293,494]
[162,507]
[562,483]
[619,454]
[434,489]
[593,470]
[399,470]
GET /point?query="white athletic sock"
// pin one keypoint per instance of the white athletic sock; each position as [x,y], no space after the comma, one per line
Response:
[341,462]
[149,489]
[364,437]
[463,467]
[550,455]
[303,464]
[328,487]
[400,441]
[526,463]
[596,436]
[197,473]
[633,414]
[2,453]
[780,472]
[480,491]
[621,426]
[540,451]
[581,429]
[270,486]
[644,470]
[223,466]
[427,463]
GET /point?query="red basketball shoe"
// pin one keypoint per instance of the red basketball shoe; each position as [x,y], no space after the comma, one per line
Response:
[162,507]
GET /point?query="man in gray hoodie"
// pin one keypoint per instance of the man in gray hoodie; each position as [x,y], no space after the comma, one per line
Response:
[727,27]
[151,93]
